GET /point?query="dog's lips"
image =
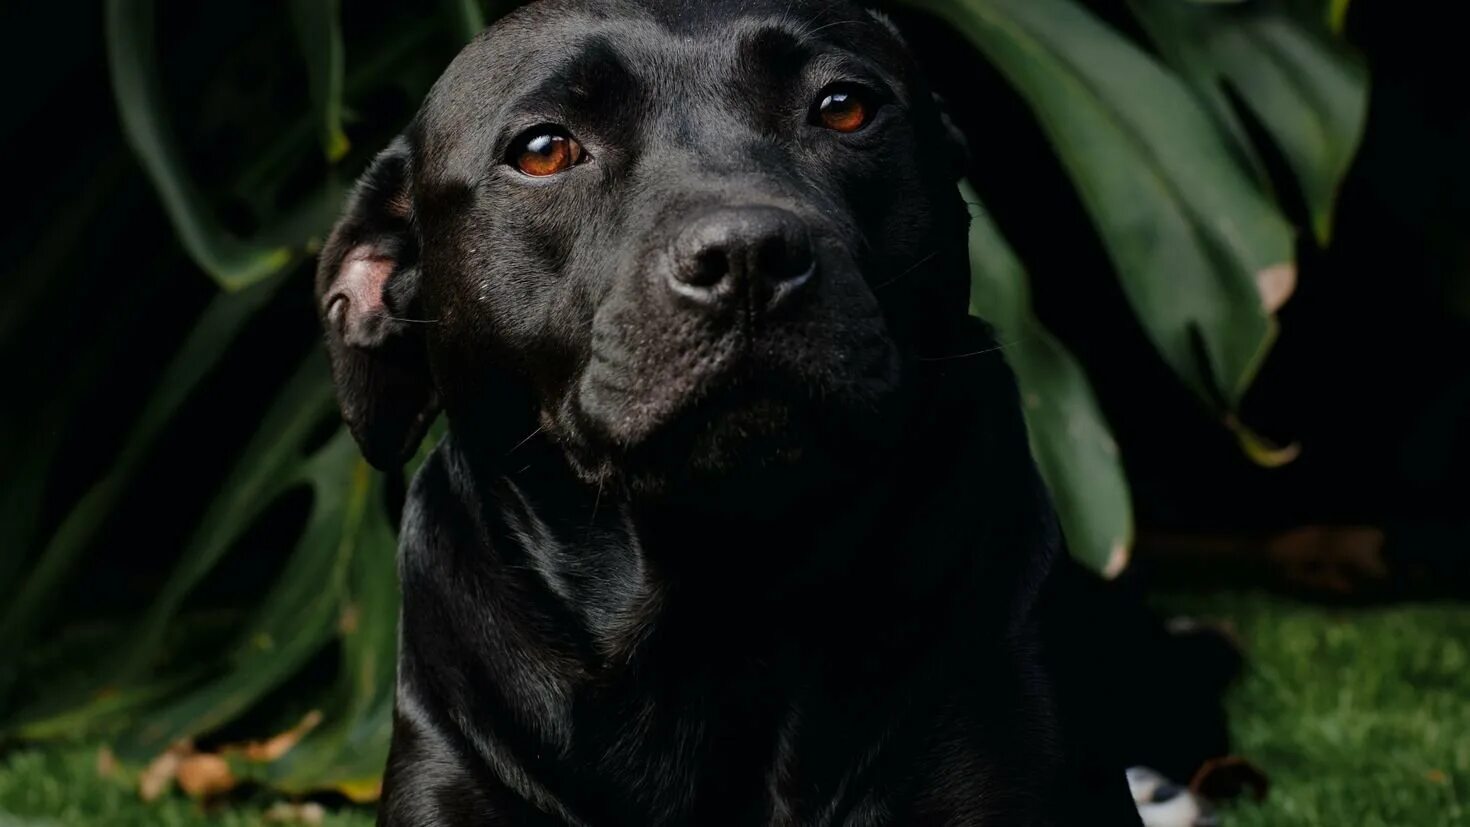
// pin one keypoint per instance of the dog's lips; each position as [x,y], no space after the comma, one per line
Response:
[743,387]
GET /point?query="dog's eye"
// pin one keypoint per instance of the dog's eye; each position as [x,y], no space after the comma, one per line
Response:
[544,152]
[842,109]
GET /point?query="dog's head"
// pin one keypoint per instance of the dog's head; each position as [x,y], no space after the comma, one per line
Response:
[692,239]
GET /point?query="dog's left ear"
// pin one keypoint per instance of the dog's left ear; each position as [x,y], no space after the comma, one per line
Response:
[366,289]
[955,141]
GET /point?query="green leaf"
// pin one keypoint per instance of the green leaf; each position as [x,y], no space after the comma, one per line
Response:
[1330,13]
[1185,226]
[293,623]
[319,31]
[466,16]
[298,614]
[268,465]
[233,263]
[348,753]
[1069,435]
[201,351]
[1308,91]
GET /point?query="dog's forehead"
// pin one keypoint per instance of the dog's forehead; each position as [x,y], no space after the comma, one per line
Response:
[686,16]
[653,39]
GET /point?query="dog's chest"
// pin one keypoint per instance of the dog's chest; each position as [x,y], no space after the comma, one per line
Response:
[738,747]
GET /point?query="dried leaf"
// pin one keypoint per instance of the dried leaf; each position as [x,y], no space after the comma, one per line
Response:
[1118,558]
[205,775]
[1334,559]
[1277,285]
[309,813]
[160,773]
[1229,777]
[265,752]
[1259,449]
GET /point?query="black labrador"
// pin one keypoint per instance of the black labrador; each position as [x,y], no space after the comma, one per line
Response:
[735,522]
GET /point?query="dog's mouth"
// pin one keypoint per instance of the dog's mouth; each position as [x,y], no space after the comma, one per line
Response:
[747,403]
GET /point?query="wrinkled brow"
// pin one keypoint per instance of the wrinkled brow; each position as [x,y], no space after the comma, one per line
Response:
[780,56]
[777,53]
[594,80]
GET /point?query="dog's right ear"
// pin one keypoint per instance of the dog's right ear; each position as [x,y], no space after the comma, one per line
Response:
[366,290]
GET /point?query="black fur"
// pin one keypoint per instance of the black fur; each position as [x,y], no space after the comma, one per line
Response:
[776,554]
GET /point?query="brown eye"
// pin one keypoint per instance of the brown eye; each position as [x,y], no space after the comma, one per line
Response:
[546,153]
[842,110]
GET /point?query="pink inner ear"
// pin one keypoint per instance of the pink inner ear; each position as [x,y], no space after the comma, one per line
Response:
[359,285]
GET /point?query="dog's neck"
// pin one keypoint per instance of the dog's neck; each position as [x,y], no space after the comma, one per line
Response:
[614,561]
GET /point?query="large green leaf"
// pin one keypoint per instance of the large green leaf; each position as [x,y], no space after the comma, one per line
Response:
[1185,225]
[133,61]
[294,622]
[201,351]
[1069,436]
[348,753]
[319,31]
[1308,90]
[268,465]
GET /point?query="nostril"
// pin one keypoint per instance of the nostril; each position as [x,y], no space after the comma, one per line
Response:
[708,269]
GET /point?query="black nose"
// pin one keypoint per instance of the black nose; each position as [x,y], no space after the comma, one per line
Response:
[759,255]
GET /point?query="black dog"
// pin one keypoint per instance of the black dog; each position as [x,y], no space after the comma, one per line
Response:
[775,550]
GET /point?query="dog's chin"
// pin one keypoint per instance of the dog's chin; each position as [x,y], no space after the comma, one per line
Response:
[743,453]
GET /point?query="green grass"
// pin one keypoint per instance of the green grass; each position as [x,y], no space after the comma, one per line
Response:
[61,788]
[1361,718]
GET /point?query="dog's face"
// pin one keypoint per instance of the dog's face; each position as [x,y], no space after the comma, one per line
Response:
[699,238]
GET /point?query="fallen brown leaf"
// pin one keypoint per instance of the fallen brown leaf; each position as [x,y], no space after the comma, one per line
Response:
[1333,559]
[1229,777]
[161,771]
[310,813]
[271,749]
[204,775]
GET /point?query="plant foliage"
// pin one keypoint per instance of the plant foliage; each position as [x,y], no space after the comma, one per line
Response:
[1162,140]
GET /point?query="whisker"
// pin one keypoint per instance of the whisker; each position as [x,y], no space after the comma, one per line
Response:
[999,347]
[808,33]
[901,276]
[596,504]
[413,321]
[522,443]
